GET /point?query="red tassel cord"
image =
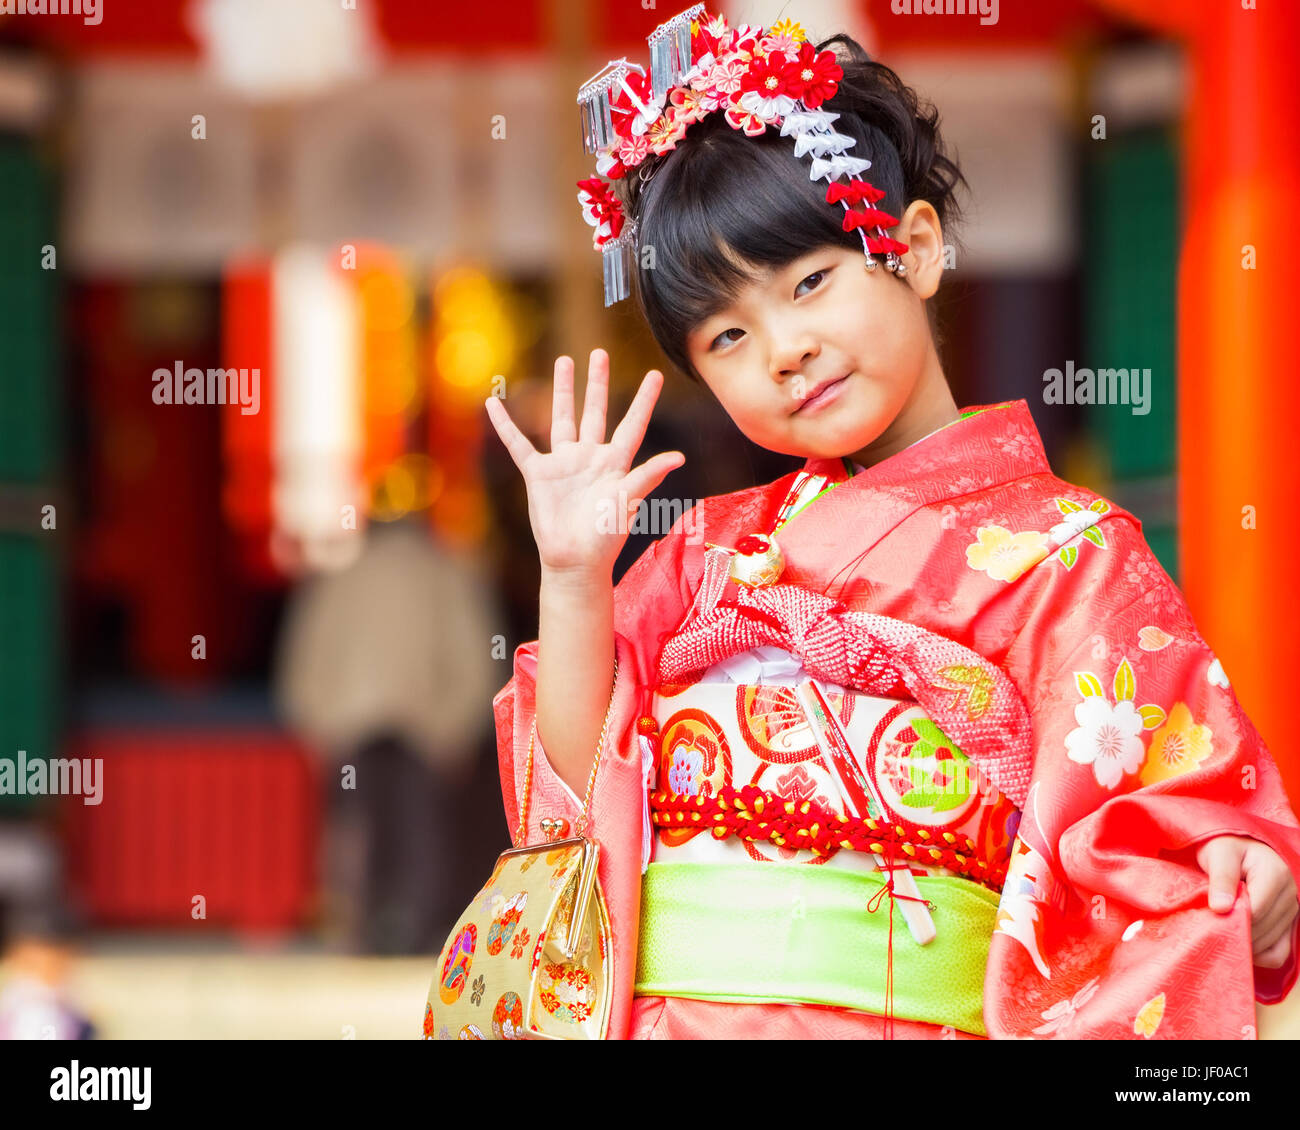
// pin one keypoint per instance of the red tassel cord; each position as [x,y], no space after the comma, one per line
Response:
[888,888]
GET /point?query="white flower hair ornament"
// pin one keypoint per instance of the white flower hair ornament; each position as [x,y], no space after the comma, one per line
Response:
[759,79]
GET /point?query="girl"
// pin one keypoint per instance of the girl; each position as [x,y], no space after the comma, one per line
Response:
[923,670]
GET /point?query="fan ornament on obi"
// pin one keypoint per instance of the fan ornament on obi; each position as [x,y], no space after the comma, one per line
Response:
[758,79]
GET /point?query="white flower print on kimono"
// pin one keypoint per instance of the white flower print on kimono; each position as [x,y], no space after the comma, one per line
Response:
[1107,739]
[1061,1015]
[1077,520]
[1108,734]
[1073,523]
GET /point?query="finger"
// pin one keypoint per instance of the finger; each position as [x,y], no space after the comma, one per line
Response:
[1275,956]
[1274,915]
[1269,885]
[1222,862]
[593,406]
[631,429]
[643,480]
[1264,938]
[1271,920]
[516,443]
[562,428]
[1271,891]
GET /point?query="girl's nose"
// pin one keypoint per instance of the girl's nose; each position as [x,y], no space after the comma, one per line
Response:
[791,353]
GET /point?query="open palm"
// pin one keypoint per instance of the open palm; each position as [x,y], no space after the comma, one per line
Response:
[583,494]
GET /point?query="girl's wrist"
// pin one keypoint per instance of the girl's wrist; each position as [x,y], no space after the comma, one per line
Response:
[578,579]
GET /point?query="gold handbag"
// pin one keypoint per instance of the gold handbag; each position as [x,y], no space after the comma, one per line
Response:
[530,956]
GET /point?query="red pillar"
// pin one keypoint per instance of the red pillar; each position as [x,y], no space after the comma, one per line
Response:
[1238,351]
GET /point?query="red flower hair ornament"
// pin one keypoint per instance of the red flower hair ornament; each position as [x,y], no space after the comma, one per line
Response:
[760,78]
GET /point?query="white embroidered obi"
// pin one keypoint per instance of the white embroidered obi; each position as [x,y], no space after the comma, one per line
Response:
[741,724]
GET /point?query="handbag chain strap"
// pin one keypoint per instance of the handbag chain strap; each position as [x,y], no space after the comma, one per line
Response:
[591,780]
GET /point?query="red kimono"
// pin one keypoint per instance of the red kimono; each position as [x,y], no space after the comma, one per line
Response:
[1131,747]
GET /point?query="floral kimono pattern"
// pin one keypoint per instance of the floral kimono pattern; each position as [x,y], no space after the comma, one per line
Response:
[1140,749]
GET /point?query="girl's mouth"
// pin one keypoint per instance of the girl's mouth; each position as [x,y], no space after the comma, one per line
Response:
[829,393]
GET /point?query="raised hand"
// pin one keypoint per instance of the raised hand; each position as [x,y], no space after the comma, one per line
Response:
[582,495]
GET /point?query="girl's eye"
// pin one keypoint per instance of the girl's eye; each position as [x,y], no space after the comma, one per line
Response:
[818,275]
[721,339]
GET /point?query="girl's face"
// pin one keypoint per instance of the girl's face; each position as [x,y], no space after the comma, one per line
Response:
[823,358]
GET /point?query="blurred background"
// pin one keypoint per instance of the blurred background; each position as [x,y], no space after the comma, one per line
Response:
[278,622]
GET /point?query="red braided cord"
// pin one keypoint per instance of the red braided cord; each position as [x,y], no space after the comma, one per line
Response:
[753,814]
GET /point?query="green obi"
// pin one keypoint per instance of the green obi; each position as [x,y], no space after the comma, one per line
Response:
[780,933]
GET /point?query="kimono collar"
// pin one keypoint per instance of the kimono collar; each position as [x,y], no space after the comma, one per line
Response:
[1001,442]
[997,446]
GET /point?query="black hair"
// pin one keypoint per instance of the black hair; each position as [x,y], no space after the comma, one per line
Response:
[721,205]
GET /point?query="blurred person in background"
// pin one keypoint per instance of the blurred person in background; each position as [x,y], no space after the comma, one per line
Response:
[40,950]
[383,668]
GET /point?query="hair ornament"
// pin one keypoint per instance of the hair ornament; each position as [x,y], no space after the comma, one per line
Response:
[759,78]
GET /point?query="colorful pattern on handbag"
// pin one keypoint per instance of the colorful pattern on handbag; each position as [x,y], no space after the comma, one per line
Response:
[530,955]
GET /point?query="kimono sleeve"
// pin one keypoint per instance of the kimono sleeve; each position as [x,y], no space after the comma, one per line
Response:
[649,602]
[1142,751]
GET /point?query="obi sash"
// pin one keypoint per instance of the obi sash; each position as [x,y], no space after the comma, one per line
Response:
[755,934]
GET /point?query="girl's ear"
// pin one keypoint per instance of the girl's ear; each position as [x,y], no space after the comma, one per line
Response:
[921,230]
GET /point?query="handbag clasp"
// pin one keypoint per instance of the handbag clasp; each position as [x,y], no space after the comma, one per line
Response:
[554,828]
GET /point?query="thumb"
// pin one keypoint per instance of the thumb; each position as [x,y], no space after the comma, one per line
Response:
[642,480]
[1221,860]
